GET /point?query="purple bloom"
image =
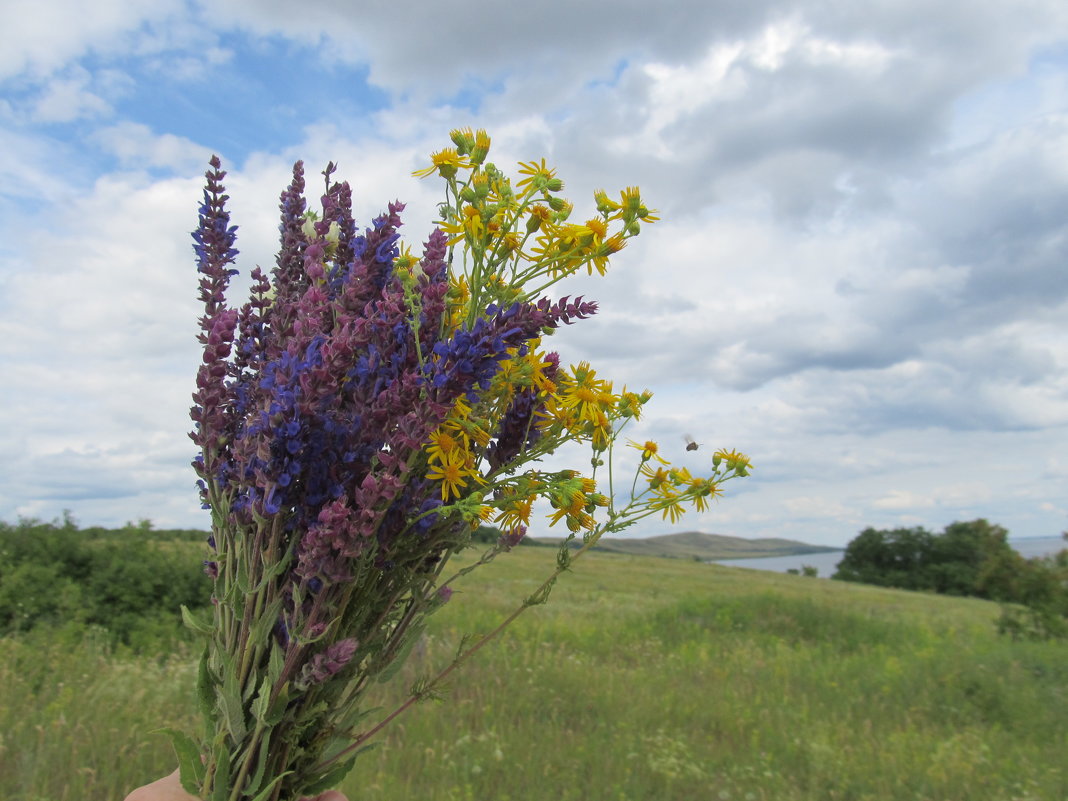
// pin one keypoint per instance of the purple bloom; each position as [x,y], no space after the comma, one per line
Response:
[328,663]
[316,398]
[564,309]
[510,539]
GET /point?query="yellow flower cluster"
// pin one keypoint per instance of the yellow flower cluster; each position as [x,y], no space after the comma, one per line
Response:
[515,242]
[574,497]
[449,455]
[585,408]
[668,488]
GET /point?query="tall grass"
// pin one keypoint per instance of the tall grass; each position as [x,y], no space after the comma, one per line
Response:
[642,679]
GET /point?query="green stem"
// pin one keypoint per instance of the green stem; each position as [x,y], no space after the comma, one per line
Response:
[460,660]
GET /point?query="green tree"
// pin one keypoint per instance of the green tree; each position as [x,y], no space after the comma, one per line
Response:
[888,558]
[951,562]
[957,556]
[1033,592]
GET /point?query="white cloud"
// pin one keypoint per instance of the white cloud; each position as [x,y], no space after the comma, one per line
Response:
[135,145]
[69,99]
[815,507]
[858,278]
[41,36]
[902,499]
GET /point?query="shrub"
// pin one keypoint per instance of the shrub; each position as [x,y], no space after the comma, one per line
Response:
[53,573]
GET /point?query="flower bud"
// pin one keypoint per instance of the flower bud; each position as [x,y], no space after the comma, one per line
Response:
[463,139]
[605,205]
[480,147]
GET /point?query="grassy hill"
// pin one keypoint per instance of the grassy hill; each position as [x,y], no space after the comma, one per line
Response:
[703,547]
[640,679]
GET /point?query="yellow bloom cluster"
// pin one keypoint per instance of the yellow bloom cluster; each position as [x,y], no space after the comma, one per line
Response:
[514,242]
[449,456]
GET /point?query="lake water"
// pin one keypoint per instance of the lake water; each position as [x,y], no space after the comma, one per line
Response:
[826,563]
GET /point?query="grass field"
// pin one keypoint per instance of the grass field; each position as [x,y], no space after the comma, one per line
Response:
[641,679]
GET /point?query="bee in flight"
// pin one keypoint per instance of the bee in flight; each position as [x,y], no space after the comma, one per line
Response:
[690,444]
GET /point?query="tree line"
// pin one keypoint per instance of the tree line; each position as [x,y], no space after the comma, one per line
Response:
[129,582]
[967,558]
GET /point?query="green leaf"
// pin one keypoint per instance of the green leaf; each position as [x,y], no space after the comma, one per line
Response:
[332,777]
[350,717]
[261,704]
[272,571]
[275,662]
[542,595]
[266,791]
[206,690]
[199,626]
[221,781]
[391,668]
[191,769]
[229,698]
[278,708]
[261,627]
[563,557]
[261,763]
[241,581]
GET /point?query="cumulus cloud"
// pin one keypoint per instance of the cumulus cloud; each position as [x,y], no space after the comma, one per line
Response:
[41,36]
[135,145]
[69,99]
[858,278]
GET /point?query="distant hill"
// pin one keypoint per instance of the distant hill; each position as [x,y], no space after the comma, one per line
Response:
[697,545]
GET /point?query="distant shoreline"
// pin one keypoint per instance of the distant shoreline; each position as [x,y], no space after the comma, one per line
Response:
[797,552]
[700,546]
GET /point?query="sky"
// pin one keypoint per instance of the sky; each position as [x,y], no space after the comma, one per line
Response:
[860,278]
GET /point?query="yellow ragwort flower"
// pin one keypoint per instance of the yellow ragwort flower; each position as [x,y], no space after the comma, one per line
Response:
[657,475]
[453,473]
[702,490]
[442,444]
[587,395]
[671,507]
[516,514]
[446,162]
[734,460]
[538,175]
[649,450]
[630,404]
[605,204]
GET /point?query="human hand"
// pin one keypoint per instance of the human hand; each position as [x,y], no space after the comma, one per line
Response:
[169,788]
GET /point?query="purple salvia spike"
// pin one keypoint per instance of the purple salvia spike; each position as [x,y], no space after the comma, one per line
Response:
[214,242]
[326,664]
[288,273]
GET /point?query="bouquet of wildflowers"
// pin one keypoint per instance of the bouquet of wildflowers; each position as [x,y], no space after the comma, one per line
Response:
[357,418]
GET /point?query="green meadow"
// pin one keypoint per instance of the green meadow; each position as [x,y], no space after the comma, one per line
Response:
[641,679]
